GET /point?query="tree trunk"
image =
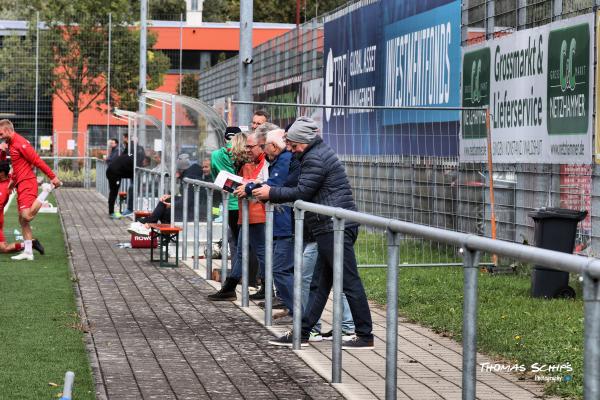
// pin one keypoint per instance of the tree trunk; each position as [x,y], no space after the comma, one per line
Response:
[75,133]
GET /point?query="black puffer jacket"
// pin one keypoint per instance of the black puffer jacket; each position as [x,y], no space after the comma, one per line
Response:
[322,180]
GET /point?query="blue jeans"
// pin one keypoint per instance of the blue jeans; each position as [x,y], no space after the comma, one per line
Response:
[352,285]
[283,270]
[256,234]
[308,275]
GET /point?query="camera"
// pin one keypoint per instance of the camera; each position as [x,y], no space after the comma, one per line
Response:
[251,186]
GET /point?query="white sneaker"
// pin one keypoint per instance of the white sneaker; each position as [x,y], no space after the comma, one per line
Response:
[23,256]
[47,187]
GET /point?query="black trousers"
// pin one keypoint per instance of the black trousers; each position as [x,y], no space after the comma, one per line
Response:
[352,285]
[113,185]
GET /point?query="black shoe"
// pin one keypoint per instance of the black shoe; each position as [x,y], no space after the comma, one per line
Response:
[345,335]
[277,304]
[36,245]
[227,292]
[286,340]
[259,295]
[359,343]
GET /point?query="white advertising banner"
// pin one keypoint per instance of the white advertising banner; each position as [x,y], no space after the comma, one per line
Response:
[538,86]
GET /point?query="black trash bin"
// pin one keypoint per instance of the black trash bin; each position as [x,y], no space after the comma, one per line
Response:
[555,229]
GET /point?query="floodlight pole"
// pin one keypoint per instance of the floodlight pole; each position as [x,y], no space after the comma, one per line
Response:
[37,77]
[143,53]
[245,60]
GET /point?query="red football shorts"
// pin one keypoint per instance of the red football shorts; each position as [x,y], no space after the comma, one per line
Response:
[27,192]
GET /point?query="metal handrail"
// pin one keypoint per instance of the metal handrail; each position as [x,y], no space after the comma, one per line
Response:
[210,187]
[472,245]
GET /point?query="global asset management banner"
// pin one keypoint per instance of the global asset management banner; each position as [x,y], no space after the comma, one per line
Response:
[537,84]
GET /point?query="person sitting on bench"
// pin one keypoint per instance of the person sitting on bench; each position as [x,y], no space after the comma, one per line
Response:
[162,211]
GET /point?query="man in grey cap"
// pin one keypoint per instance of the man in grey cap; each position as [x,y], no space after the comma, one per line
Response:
[323,180]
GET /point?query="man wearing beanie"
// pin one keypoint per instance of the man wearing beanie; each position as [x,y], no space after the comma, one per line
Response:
[323,180]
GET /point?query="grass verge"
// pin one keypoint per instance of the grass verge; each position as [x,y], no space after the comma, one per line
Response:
[41,335]
[512,327]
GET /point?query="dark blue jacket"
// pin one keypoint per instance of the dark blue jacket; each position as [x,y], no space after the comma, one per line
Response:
[322,180]
[278,175]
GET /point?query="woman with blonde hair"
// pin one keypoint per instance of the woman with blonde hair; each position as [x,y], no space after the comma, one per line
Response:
[230,158]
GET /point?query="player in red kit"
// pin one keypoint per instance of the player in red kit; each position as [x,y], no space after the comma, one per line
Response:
[6,187]
[24,158]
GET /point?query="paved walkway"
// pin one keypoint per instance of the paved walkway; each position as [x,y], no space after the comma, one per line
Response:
[429,365]
[153,333]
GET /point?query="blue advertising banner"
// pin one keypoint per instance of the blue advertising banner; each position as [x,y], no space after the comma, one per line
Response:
[410,59]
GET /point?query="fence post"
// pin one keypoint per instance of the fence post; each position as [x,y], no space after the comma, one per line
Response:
[209,232]
[470,271]
[225,237]
[268,264]
[338,276]
[298,266]
[152,197]
[185,218]
[391,349]
[591,352]
[196,225]
[245,252]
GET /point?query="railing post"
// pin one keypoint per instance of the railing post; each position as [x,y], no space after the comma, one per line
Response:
[245,252]
[148,178]
[225,237]
[209,232]
[298,266]
[470,271]
[152,197]
[391,349]
[185,218]
[196,225]
[268,264]
[338,276]
[591,350]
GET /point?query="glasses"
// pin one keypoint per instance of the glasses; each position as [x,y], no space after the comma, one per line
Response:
[251,146]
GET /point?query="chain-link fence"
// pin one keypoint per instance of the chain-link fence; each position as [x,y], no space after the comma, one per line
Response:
[401,165]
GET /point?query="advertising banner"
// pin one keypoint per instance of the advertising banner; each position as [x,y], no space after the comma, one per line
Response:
[409,58]
[537,84]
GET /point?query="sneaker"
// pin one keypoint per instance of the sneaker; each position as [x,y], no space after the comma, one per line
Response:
[259,295]
[127,213]
[116,215]
[227,291]
[137,228]
[359,343]
[277,304]
[23,256]
[286,340]
[47,187]
[285,320]
[346,335]
[315,337]
[36,245]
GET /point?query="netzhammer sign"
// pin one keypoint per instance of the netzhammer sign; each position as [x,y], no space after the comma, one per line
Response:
[537,84]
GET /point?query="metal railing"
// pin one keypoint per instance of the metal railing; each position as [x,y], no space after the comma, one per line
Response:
[472,246]
[150,186]
[209,187]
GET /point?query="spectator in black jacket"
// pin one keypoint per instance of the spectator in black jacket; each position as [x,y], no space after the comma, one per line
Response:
[113,148]
[122,168]
[323,180]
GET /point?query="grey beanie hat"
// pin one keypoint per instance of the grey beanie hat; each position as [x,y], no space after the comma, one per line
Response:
[303,130]
[183,162]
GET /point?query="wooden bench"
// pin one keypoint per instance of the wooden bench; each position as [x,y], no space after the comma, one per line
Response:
[122,198]
[141,214]
[166,235]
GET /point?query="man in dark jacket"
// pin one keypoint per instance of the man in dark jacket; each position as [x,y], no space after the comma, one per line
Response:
[122,168]
[113,150]
[323,180]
